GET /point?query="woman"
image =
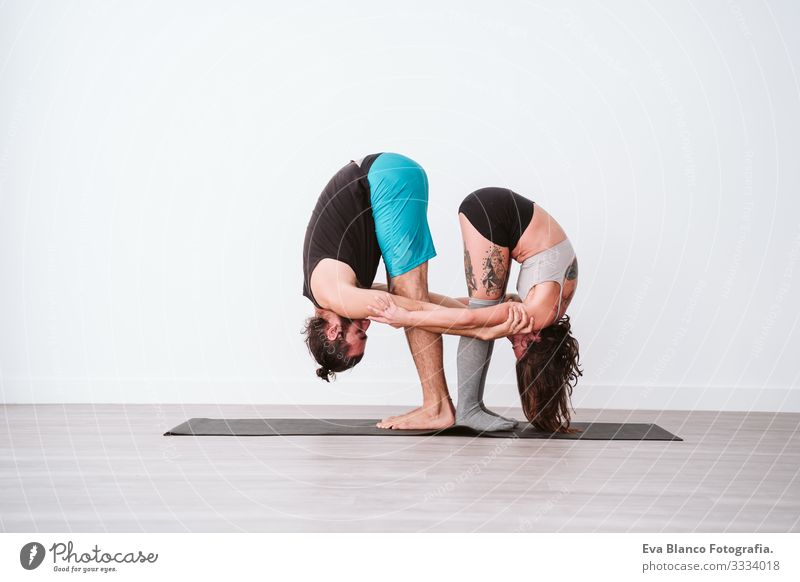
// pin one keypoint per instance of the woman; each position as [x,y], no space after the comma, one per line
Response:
[498,225]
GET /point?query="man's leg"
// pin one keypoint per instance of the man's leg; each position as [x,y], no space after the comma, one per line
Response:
[399,196]
[426,348]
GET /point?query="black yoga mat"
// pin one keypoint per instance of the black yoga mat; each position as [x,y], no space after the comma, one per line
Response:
[598,431]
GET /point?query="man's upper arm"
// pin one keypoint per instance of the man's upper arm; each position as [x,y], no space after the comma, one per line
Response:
[352,301]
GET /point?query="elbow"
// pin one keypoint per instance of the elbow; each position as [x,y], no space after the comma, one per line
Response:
[483,334]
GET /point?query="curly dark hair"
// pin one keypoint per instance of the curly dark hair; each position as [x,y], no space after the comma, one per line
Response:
[330,355]
[546,374]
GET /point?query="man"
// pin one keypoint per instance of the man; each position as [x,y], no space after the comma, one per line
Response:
[374,207]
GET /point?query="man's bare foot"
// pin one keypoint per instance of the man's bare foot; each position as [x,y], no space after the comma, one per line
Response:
[433,417]
[396,416]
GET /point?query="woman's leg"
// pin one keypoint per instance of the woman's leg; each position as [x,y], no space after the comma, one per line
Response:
[486,267]
[486,264]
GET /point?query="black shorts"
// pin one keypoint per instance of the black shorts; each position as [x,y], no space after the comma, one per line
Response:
[499,214]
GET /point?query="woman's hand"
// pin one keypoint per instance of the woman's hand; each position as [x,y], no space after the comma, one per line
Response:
[518,321]
[387,311]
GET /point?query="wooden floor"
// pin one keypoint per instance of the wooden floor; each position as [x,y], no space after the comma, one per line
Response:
[80,468]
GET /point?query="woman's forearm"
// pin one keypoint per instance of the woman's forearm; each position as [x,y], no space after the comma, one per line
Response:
[475,332]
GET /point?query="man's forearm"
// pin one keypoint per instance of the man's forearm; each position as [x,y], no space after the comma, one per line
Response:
[437,300]
[444,318]
[440,301]
[459,318]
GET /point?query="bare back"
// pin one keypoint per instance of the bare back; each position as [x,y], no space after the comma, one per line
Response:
[542,233]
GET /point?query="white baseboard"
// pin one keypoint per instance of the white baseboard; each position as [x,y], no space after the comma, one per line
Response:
[276,391]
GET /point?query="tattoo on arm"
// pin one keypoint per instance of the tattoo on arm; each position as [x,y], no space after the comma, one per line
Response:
[572,270]
[472,286]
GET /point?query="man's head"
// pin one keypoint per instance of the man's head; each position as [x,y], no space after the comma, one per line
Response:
[337,343]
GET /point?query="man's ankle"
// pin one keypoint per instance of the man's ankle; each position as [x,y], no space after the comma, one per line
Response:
[438,407]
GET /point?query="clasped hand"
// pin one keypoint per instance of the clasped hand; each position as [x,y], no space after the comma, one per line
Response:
[387,311]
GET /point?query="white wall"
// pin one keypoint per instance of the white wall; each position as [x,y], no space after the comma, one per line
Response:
[158,163]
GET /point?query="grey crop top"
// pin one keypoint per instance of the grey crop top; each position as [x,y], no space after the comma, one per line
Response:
[554,264]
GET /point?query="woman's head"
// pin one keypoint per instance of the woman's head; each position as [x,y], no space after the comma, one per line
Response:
[336,343]
[547,369]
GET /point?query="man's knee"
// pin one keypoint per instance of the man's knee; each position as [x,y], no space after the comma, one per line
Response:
[413,284]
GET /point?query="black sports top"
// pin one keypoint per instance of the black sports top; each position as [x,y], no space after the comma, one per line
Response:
[499,214]
[342,227]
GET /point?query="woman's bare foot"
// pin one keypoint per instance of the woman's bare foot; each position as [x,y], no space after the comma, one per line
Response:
[422,418]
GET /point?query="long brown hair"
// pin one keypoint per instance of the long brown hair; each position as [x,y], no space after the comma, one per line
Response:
[330,355]
[546,374]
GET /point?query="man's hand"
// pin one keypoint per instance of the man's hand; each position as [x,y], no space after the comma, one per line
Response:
[385,310]
[518,321]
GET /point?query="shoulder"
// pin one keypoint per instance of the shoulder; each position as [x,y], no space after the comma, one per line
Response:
[329,278]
